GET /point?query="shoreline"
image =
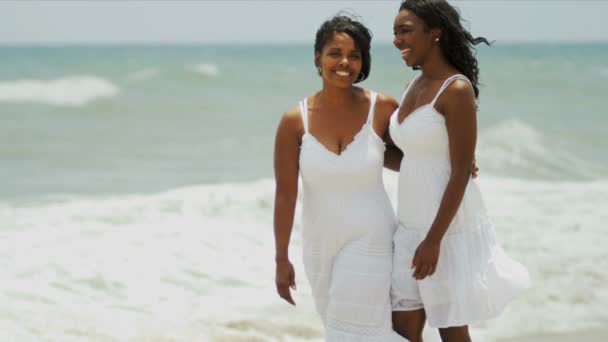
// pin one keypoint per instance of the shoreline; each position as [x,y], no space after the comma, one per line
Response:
[588,335]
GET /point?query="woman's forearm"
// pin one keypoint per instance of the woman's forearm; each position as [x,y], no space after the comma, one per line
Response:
[284,210]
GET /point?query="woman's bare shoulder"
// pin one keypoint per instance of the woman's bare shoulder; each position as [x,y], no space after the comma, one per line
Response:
[385,105]
[291,121]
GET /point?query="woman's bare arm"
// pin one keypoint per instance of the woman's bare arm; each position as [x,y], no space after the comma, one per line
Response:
[385,106]
[286,169]
[461,122]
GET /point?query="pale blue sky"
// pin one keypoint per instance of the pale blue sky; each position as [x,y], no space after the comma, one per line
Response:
[279,21]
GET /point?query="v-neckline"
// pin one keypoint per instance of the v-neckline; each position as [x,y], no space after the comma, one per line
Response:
[410,113]
[355,137]
[431,104]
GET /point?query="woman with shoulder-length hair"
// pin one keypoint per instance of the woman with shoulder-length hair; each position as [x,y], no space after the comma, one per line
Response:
[448,266]
[334,140]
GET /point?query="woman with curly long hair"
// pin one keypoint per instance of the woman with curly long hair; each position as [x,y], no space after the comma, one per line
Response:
[448,266]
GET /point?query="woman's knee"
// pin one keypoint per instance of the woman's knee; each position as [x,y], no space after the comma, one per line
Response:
[409,324]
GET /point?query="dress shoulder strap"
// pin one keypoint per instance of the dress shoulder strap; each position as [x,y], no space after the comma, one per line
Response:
[407,89]
[370,115]
[304,113]
[446,83]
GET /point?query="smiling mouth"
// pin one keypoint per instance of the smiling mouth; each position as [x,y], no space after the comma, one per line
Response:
[343,73]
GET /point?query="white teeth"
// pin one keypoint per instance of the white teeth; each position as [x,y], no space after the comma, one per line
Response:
[343,73]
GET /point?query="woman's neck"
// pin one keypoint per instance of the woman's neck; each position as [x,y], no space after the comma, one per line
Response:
[334,96]
[436,67]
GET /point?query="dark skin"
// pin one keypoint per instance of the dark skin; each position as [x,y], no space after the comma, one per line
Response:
[419,46]
[336,114]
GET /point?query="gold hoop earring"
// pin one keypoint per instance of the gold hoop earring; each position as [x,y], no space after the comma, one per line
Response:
[361,77]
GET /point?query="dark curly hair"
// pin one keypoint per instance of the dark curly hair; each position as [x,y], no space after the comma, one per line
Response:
[357,31]
[456,42]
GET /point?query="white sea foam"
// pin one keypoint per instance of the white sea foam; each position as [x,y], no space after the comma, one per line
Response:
[67,91]
[143,74]
[515,148]
[206,69]
[197,264]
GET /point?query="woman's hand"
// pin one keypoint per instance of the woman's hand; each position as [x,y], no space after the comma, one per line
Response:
[285,280]
[425,259]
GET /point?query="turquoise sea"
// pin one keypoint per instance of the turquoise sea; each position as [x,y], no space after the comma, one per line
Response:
[137,193]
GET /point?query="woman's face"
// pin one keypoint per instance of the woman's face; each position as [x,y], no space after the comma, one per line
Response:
[412,38]
[340,61]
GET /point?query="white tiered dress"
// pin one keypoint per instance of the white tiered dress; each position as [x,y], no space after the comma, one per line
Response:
[474,278]
[348,226]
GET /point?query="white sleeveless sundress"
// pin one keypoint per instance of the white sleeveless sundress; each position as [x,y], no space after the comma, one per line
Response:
[348,225]
[474,278]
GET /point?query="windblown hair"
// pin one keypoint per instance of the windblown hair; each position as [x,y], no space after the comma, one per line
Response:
[456,42]
[357,31]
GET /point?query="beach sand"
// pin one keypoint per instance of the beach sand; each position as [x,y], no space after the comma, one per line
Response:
[590,335]
[595,335]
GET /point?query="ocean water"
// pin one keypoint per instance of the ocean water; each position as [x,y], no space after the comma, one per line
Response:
[137,193]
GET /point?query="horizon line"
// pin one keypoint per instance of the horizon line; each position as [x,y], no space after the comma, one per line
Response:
[253,43]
